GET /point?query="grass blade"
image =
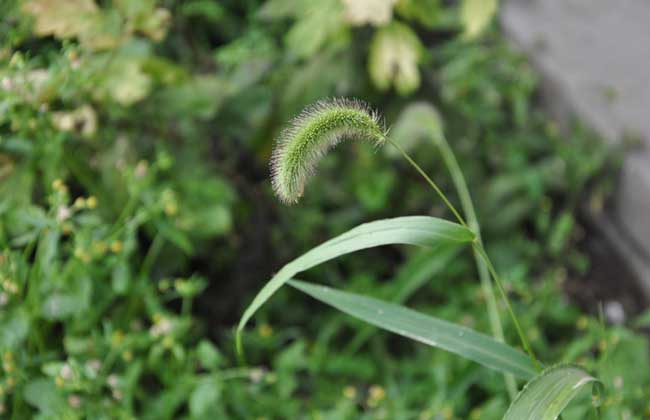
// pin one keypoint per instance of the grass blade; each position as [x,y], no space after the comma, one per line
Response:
[435,332]
[411,277]
[544,397]
[411,230]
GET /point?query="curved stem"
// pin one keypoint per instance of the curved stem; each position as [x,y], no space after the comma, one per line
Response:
[524,341]
[478,247]
[468,208]
[429,181]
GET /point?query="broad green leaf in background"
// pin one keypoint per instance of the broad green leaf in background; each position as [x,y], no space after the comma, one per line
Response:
[321,22]
[211,11]
[281,9]
[208,355]
[43,394]
[476,15]
[204,399]
[435,332]
[59,306]
[200,97]
[395,52]
[628,365]
[418,120]
[14,329]
[549,393]
[429,13]
[411,230]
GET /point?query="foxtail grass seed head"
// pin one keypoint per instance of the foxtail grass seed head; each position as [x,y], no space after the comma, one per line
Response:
[310,135]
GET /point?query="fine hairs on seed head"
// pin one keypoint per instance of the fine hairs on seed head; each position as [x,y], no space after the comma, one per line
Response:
[310,135]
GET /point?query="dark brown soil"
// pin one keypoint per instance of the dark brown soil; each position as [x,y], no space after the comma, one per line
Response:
[608,279]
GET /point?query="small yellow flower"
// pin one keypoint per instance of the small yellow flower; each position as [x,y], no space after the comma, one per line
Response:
[447,413]
[116,246]
[582,322]
[66,227]
[168,342]
[117,337]
[79,203]
[10,286]
[59,381]
[534,334]
[91,202]
[82,255]
[426,415]
[602,345]
[265,330]
[171,209]
[350,392]
[375,394]
[164,285]
[58,185]
[127,356]
[99,247]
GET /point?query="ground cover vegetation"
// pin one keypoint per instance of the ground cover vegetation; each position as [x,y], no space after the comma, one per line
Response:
[138,220]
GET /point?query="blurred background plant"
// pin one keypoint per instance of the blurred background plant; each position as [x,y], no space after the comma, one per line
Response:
[137,220]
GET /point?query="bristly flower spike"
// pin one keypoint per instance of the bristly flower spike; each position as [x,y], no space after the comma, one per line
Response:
[312,134]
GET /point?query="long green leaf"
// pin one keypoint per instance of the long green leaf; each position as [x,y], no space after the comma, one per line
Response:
[435,332]
[411,230]
[411,276]
[544,397]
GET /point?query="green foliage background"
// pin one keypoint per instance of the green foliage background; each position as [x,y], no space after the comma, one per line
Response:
[137,220]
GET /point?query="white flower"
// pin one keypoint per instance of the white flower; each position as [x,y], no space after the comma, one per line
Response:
[94,365]
[63,213]
[162,327]
[375,12]
[66,372]
[74,400]
[113,381]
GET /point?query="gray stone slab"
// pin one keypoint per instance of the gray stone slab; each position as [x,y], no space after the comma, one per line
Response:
[632,211]
[596,51]
[594,57]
